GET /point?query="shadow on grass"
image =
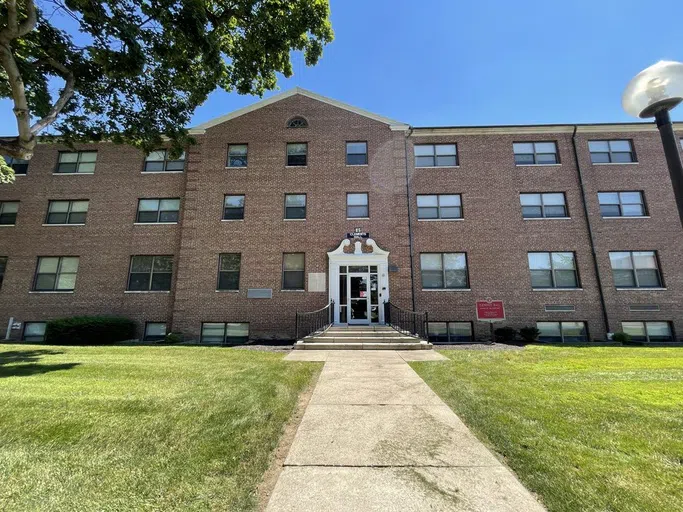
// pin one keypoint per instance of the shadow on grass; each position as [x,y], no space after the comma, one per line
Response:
[23,363]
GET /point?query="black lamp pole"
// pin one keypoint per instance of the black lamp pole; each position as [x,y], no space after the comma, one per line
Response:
[673,156]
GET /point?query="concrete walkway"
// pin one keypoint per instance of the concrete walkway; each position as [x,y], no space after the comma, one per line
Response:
[375,437]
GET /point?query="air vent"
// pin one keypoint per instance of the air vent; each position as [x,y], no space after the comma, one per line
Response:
[260,293]
[558,307]
[643,307]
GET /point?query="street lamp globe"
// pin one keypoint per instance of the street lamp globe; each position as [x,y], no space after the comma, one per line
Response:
[657,88]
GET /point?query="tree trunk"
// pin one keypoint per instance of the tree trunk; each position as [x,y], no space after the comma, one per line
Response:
[15,147]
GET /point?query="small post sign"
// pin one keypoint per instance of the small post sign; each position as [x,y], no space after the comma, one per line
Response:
[490,310]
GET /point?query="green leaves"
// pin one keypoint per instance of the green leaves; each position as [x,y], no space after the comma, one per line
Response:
[146,66]
[6,172]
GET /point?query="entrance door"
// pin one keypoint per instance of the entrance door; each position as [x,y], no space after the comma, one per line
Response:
[359,299]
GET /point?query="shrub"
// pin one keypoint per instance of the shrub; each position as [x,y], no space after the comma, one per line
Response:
[621,337]
[89,330]
[529,334]
[173,337]
[505,334]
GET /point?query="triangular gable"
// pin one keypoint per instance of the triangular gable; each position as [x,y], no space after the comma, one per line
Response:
[394,125]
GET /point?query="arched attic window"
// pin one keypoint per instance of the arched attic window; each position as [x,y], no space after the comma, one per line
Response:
[297,122]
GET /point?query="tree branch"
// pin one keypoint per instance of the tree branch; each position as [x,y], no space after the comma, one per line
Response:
[64,97]
[13,31]
[11,147]
[12,23]
[30,22]
[21,111]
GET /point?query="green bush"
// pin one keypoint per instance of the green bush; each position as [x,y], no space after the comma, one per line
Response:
[89,330]
[173,337]
[621,337]
[505,334]
[529,334]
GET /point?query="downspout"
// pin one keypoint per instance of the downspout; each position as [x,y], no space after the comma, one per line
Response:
[584,201]
[410,226]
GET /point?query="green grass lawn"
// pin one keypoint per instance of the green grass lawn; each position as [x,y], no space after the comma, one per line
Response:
[588,429]
[140,428]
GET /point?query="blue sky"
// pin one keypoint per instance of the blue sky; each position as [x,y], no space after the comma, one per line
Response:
[447,62]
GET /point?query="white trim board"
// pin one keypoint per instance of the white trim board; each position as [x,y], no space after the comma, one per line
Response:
[393,124]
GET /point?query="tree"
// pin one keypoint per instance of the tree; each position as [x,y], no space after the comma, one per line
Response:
[135,70]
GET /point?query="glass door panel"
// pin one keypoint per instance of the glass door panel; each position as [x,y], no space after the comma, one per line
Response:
[374,297]
[358,299]
[343,298]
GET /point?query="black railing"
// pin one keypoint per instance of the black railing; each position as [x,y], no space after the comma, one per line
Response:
[407,322]
[314,321]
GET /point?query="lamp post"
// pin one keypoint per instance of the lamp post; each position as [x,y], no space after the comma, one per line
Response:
[652,93]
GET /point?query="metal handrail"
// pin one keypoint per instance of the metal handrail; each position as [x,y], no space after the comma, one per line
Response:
[311,322]
[414,323]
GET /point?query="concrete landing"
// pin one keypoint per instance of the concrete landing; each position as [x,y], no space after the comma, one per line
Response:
[375,437]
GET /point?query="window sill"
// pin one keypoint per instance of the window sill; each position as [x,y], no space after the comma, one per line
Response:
[546,218]
[227,291]
[154,223]
[51,291]
[295,291]
[161,172]
[232,220]
[439,167]
[7,225]
[440,220]
[557,289]
[17,175]
[147,291]
[615,163]
[73,173]
[623,217]
[295,166]
[64,224]
[294,220]
[235,166]
[538,165]
[357,218]
[446,289]
[641,289]
[356,165]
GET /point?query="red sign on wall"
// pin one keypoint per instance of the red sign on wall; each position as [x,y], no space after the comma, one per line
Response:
[490,310]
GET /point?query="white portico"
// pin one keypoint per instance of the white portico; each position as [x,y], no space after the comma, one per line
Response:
[359,282]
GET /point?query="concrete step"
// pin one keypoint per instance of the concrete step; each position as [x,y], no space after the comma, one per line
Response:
[353,334]
[422,345]
[363,328]
[360,339]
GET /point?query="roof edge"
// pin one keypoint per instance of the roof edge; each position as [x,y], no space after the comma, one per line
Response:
[424,131]
[201,128]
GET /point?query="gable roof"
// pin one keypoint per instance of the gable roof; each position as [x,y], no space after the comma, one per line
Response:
[393,125]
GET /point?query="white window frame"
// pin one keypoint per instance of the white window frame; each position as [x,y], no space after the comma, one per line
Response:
[536,153]
[435,156]
[609,152]
[620,204]
[553,270]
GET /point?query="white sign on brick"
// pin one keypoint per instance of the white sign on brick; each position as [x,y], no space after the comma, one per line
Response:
[316,282]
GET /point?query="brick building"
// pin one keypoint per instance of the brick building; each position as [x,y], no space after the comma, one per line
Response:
[298,200]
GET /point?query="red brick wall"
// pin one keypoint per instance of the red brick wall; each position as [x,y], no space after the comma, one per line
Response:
[104,245]
[493,233]
[264,236]
[661,232]
[495,236]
